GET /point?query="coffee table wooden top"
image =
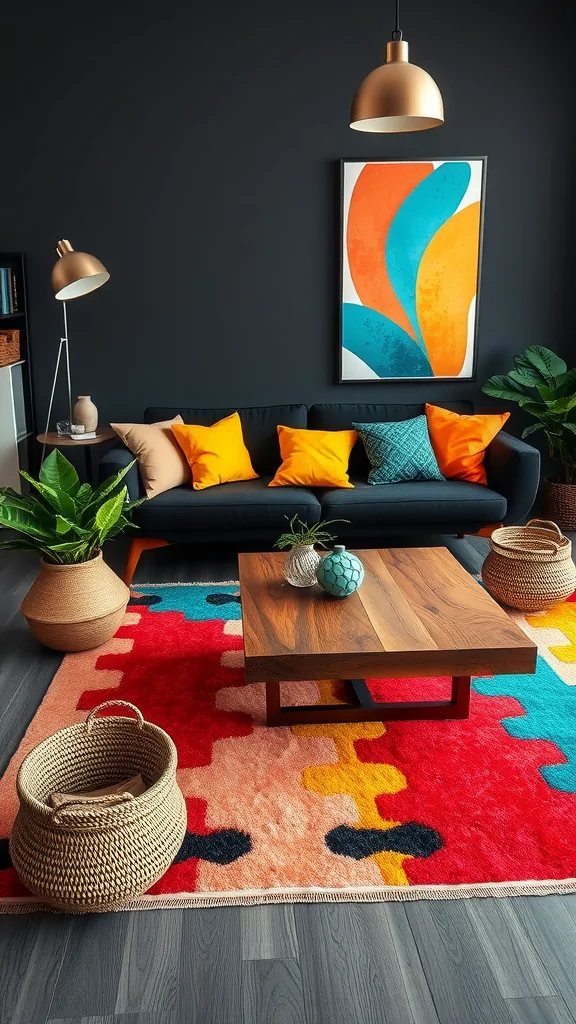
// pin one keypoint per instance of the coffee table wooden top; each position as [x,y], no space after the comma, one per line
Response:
[418,612]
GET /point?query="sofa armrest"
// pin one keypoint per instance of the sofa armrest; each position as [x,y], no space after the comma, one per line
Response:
[115,460]
[513,469]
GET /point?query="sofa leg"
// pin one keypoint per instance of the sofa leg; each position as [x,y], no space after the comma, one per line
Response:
[137,547]
[486,531]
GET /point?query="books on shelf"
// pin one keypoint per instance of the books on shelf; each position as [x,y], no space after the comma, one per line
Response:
[9,299]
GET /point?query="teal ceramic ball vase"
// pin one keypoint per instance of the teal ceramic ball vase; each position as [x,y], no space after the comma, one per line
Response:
[340,573]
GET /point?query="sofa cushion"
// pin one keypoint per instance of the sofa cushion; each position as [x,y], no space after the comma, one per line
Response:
[419,502]
[314,458]
[216,454]
[245,505]
[335,416]
[259,425]
[399,451]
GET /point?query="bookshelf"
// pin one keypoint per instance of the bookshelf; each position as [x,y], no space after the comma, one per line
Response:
[17,431]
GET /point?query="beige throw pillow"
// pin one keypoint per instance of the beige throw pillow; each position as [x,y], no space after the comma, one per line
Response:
[161,461]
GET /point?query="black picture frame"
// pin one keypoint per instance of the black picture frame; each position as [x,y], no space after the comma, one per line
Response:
[410,380]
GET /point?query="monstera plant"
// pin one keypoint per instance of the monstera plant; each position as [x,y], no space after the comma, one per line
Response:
[543,386]
[76,602]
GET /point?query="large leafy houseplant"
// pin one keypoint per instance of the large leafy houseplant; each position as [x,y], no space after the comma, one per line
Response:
[76,602]
[543,386]
[65,521]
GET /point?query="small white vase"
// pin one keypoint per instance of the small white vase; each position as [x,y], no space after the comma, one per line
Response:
[85,413]
[301,564]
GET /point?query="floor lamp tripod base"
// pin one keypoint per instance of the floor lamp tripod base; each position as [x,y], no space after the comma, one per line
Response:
[63,346]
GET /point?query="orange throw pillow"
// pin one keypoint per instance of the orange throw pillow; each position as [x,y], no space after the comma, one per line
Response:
[314,458]
[216,454]
[459,442]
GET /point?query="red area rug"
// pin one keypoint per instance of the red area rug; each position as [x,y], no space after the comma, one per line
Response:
[373,811]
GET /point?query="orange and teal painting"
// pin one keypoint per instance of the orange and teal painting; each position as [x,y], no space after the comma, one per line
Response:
[410,268]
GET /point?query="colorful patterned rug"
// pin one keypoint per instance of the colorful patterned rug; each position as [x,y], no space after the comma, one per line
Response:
[402,810]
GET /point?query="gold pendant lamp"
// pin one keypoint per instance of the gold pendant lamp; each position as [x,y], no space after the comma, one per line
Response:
[398,96]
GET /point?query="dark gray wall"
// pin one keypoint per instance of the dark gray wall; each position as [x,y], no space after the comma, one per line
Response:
[194,149]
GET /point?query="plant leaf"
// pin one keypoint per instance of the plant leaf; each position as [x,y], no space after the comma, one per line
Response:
[562,405]
[83,495]
[22,520]
[532,428]
[129,505]
[534,408]
[500,386]
[64,526]
[526,376]
[21,543]
[109,485]
[57,499]
[57,472]
[67,547]
[109,513]
[547,362]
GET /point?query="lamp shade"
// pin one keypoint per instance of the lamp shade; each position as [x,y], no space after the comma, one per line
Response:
[76,273]
[397,97]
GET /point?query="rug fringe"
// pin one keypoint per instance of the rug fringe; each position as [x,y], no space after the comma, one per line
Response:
[209,583]
[257,897]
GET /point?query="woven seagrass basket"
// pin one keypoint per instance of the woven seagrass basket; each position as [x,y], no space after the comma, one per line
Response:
[530,567]
[96,856]
[560,502]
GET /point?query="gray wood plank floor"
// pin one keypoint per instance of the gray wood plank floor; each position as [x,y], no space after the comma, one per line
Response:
[460,962]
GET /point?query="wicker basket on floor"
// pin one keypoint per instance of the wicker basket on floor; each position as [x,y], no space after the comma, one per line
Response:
[530,567]
[95,856]
[560,503]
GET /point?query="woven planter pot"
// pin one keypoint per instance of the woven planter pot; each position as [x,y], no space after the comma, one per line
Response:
[75,607]
[530,567]
[560,503]
[93,857]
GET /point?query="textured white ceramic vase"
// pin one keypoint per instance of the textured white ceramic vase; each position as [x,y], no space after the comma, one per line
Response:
[301,564]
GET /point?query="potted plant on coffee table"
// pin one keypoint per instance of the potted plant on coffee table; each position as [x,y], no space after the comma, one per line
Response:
[543,386]
[302,560]
[76,602]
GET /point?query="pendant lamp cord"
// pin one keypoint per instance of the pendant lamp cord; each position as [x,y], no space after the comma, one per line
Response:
[397,33]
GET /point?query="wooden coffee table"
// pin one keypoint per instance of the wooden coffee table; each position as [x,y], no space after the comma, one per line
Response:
[417,613]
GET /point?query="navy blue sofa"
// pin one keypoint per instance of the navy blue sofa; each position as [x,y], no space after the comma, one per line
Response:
[251,511]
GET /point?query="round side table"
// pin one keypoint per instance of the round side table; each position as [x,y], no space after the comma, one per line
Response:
[55,440]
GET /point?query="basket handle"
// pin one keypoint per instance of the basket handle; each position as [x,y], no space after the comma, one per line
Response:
[547,547]
[75,802]
[548,524]
[110,703]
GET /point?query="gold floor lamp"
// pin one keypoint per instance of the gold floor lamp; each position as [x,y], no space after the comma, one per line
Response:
[75,274]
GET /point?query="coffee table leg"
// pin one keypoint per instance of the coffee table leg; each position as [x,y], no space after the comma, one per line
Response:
[368,710]
[273,713]
[461,696]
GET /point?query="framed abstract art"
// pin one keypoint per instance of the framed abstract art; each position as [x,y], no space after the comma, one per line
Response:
[411,254]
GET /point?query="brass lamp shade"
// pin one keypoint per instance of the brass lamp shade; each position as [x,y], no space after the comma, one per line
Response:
[397,97]
[76,273]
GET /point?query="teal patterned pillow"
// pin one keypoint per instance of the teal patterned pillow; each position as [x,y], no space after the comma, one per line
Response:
[399,451]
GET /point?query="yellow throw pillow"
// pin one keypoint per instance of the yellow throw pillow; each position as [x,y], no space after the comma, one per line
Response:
[216,454]
[314,458]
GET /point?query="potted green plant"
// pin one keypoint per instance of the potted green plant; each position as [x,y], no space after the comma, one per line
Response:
[76,602]
[302,560]
[543,386]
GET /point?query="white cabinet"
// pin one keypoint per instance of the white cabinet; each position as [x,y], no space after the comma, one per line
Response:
[14,428]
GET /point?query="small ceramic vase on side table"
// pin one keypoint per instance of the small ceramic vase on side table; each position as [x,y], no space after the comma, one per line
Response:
[85,413]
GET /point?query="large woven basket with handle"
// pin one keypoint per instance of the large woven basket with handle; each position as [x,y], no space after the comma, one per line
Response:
[94,856]
[530,567]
